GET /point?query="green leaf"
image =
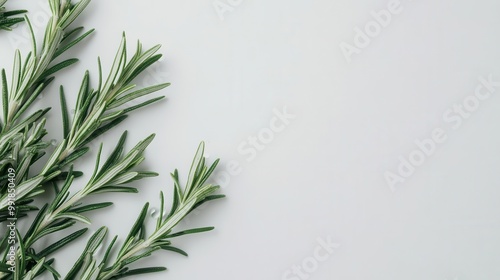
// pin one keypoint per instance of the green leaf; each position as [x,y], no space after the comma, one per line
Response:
[65,113]
[75,11]
[104,128]
[115,155]
[33,97]
[115,189]
[5,24]
[136,94]
[138,223]
[63,193]
[21,261]
[74,42]
[177,197]
[36,221]
[194,169]
[146,253]
[139,271]
[58,67]
[78,153]
[48,266]
[115,68]
[162,207]
[91,207]
[108,252]
[69,34]
[145,103]
[190,231]
[208,198]
[174,249]
[74,216]
[61,243]
[83,96]
[64,225]
[7,19]
[5,96]
[94,242]
[63,175]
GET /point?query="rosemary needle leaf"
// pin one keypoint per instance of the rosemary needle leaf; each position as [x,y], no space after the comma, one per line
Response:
[94,242]
[140,271]
[5,95]
[138,223]
[74,216]
[208,198]
[56,68]
[64,175]
[145,103]
[78,153]
[61,243]
[174,249]
[4,268]
[136,94]
[117,152]
[61,226]
[68,46]
[37,220]
[121,189]
[7,19]
[190,231]
[92,207]
[64,112]
[104,128]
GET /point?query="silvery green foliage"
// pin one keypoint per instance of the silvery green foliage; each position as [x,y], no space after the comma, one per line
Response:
[97,110]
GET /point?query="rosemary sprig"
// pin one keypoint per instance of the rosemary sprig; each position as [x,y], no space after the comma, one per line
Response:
[111,177]
[66,209]
[7,18]
[30,77]
[96,112]
[138,244]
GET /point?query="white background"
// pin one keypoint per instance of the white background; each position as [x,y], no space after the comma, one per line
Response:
[323,175]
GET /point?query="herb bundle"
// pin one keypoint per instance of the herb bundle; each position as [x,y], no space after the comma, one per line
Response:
[97,110]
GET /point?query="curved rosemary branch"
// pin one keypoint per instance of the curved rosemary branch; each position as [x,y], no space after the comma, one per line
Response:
[138,244]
